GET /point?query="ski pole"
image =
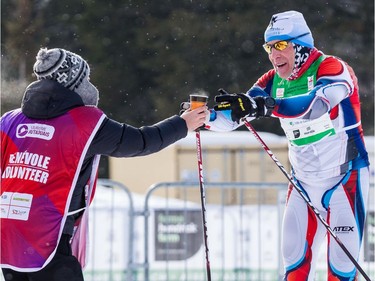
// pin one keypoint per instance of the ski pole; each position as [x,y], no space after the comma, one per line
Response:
[196,101]
[308,202]
[203,201]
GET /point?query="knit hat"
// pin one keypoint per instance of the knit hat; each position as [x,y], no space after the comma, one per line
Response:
[287,25]
[68,69]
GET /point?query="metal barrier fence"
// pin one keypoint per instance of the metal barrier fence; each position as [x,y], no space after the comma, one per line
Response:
[234,214]
[158,236]
[111,233]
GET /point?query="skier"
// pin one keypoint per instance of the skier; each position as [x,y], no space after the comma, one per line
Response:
[315,96]
[50,149]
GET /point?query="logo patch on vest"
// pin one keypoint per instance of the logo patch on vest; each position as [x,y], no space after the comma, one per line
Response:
[15,205]
[39,131]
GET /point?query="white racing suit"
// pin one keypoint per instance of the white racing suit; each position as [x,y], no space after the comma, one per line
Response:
[320,114]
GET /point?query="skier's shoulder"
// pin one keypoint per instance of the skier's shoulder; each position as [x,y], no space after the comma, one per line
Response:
[330,66]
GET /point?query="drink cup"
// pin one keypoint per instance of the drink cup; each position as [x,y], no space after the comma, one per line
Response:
[197,100]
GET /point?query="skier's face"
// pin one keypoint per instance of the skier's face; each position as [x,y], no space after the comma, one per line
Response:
[282,61]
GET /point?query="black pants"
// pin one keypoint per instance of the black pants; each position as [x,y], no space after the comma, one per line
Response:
[63,267]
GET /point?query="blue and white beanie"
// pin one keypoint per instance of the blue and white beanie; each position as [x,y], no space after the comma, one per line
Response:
[287,25]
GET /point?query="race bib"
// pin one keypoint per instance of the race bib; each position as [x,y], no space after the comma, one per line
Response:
[304,131]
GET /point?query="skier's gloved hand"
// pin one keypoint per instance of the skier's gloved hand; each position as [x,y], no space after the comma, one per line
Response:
[265,106]
[239,104]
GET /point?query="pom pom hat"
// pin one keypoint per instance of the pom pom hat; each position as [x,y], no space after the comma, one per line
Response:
[288,25]
[68,69]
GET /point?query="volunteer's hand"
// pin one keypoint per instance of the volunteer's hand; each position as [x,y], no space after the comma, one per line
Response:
[195,118]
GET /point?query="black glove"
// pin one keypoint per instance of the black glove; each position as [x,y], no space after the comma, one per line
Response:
[240,105]
[265,106]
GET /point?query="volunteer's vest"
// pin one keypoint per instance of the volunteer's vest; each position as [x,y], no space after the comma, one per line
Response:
[302,131]
[40,165]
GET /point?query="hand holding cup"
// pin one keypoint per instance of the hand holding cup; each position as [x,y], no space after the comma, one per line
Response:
[197,114]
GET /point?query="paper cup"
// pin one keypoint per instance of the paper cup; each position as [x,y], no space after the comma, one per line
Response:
[197,101]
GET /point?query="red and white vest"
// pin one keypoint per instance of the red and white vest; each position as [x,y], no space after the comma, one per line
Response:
[40,165]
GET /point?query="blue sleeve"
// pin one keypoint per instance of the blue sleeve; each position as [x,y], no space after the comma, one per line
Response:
[287,107]
[294,106]
[256,92]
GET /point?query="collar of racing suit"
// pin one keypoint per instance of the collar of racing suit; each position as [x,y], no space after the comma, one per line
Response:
[304,57]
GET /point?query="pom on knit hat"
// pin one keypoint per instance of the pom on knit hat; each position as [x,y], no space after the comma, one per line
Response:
[68,69]
[288,25]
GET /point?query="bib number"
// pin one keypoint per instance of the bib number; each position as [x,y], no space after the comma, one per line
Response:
[303,131]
